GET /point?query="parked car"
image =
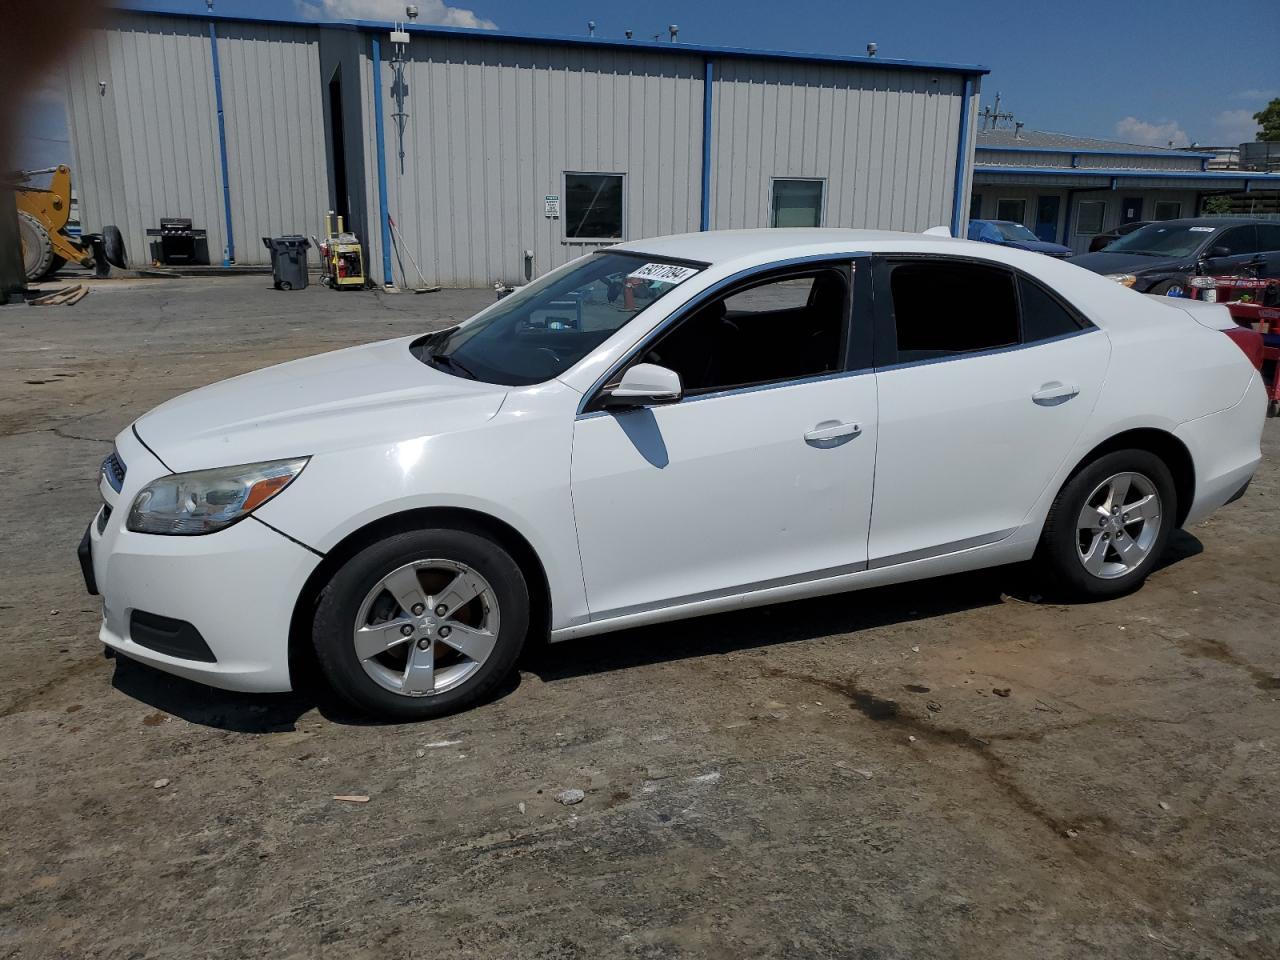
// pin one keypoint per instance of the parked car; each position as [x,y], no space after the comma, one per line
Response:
[1006,233]
[1102,239]
[1162,257]
[405,514]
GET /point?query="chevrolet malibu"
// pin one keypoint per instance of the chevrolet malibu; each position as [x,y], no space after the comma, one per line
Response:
[664,429]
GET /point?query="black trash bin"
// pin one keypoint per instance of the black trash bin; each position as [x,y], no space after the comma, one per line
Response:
[288,261]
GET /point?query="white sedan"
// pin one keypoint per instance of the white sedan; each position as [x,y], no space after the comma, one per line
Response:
[664,429]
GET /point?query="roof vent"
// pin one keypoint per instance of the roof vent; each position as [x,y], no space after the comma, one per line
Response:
[872,49]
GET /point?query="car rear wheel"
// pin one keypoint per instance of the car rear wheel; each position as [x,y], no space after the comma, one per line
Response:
[422,624]
[1108,526]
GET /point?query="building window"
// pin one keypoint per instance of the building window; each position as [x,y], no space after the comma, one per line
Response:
[593,206]
[1011,210]
[1089,218]
[797,203]
[1168,209]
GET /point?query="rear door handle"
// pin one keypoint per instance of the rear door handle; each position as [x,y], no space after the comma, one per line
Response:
[829,430]
[1054,392]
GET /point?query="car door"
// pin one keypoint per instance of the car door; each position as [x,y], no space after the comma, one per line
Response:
[1232,251]
[761,473]
[1269,250]
[985,380]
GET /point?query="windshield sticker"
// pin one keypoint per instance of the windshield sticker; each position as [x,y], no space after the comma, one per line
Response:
[662,273]
[1203,229]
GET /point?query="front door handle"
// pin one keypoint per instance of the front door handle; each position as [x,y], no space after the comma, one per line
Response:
[1054,392]
[829,430]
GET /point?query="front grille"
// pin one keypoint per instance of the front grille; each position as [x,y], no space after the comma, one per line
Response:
[113,469]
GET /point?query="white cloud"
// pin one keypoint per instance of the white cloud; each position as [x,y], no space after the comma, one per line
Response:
[1133,130]
[1235,126]
[429,11]
[1261,96]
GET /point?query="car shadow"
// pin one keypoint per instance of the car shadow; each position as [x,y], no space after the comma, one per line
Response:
[679,640]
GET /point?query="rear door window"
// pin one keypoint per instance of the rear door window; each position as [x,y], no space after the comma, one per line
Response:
[1044,316]
[950,308]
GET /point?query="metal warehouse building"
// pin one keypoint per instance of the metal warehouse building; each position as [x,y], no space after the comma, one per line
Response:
[519,152]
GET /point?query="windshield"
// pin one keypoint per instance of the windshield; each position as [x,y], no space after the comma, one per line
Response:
[543,329]
[1161,240]
[1015,231]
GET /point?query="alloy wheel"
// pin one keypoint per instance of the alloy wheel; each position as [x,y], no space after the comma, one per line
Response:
[426,627]
[1118,525]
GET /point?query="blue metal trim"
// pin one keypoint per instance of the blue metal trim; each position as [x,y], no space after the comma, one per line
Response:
[229,248]
[708,83]
[962,158]
[1127,174]
[651,46]
[1097,153]
[699,298]
[985,353]
[380,138]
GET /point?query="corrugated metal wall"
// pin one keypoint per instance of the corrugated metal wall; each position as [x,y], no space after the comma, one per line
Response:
[884,140]
[146,144]
[1094,161]
[494,126]
[272,98]
[140,107]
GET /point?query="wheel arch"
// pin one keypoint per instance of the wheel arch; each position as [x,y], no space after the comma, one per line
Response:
[1164,445]
[301,656]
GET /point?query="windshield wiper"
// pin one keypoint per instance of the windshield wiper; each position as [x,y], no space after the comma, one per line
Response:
[446,361]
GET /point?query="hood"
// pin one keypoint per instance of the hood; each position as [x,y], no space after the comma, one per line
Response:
[353,397]
[1042,246]
[1136,263]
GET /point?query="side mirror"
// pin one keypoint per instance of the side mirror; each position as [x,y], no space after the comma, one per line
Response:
[1218,252]
[644,385]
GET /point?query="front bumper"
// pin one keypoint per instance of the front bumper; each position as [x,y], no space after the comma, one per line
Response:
[236,588]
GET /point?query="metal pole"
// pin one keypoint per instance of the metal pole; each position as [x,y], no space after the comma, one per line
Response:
[708,82]
[962,161]
[380,137]
[229,250]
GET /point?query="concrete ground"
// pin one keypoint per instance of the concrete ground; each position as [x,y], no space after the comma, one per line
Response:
[943,769]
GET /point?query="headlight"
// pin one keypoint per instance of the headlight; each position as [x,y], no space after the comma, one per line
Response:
[203,501]
[1124,279]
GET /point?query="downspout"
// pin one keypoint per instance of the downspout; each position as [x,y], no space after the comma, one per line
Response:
[962,157]
[229,249]
[708,80]
[379,136]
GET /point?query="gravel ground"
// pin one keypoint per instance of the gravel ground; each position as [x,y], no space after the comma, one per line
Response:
[945,769]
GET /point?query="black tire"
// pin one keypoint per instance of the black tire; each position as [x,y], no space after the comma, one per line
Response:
[56,264]
[340,601]
[1162,288]
[284,285]
[37,248]
[1059,567]
[113,246]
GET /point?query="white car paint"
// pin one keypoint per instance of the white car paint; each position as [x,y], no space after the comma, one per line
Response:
[714,502]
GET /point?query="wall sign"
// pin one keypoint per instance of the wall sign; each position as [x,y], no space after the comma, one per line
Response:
[552,209]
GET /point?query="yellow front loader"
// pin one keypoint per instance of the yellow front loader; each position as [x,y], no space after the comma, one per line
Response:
[42,222]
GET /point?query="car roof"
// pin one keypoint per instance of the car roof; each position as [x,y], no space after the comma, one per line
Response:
[724,246]
[1207,222]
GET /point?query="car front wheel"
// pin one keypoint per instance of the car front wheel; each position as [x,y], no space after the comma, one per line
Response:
[422,624]
[1108,526]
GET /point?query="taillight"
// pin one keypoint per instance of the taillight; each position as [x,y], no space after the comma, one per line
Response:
[1250,341]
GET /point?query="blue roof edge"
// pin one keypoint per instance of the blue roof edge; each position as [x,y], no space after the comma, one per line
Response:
[651,46]
[1098,152]
[1130,173]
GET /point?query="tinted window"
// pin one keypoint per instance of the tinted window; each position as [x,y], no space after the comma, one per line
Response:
[1239,240]
[1043,316]
[784,328]
[593,205]
[1011,210]
[944,309]
[1163,240]
[1269,237]
[1089,218]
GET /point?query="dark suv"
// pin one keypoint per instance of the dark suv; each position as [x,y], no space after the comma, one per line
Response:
[1161,257]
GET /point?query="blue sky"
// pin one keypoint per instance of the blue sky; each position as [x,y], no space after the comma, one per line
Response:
[1145,71]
